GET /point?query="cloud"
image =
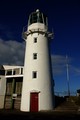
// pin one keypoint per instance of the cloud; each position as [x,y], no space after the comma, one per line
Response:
[11,52]
[59,64]
[75,71]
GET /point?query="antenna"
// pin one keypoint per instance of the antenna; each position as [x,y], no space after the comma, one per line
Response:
[67,67]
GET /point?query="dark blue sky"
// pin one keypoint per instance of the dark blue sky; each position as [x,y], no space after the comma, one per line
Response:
[63,18]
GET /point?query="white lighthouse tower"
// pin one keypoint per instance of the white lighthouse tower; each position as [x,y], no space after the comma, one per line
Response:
[37,91]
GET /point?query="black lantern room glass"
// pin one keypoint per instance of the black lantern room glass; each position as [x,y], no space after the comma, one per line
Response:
[37,17]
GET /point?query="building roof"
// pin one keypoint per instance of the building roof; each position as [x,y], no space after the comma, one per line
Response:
[11,67]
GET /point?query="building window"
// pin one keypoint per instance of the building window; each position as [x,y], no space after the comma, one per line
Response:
[21,70]
[16,71]
[35,40]
[34,55]
[34,74]
[2,72]
[9,72]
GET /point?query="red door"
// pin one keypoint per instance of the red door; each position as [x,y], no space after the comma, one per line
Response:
[34,102]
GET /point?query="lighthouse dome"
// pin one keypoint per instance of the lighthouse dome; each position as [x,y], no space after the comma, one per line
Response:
[37,17]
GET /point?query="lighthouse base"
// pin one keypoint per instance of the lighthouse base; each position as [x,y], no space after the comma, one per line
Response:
[35,102]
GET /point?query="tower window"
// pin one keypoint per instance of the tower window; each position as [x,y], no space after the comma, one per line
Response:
[35,40]
[34,74]
[34,55]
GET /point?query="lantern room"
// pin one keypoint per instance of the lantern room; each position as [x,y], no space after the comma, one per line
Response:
[37,17]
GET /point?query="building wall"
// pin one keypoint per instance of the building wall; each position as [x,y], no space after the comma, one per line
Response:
[2,91]
[13,93]
[9,74]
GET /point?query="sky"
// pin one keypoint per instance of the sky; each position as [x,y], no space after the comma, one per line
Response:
[63,20]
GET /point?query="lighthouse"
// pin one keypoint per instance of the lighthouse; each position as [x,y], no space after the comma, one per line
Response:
[37,91]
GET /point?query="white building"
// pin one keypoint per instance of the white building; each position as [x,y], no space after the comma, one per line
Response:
[37,88]
[11,78]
